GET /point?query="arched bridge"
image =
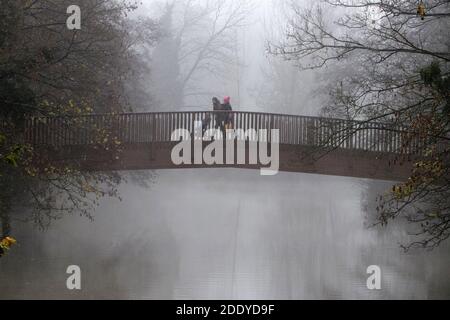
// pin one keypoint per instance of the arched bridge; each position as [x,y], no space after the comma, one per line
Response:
[134,141]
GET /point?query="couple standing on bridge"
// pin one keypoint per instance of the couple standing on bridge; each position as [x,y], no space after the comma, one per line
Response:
[223,120]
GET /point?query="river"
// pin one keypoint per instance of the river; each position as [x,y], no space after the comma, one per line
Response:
[225,234]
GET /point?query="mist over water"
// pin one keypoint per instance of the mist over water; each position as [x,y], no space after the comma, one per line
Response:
[225,234]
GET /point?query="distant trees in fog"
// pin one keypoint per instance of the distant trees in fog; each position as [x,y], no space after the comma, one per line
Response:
[198,45]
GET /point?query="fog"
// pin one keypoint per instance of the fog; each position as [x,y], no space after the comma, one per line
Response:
[219,236]
[229,233]
[255,80]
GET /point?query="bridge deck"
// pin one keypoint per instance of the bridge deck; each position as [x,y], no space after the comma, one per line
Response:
[360,149]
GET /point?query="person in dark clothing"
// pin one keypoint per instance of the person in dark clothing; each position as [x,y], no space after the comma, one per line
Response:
[216,104]
[219,117]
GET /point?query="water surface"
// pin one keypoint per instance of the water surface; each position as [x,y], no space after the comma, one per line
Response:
[225,234]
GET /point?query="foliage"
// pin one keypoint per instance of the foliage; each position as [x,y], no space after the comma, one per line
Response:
[48,70]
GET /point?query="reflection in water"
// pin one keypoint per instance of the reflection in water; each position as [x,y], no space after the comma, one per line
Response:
[221,234]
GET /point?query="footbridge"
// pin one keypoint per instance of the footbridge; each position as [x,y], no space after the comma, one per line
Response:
[140,141]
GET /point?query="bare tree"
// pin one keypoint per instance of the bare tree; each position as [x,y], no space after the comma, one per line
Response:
[200,44]
[393,66]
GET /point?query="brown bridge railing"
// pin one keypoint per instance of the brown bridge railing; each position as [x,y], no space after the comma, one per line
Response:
[130,128]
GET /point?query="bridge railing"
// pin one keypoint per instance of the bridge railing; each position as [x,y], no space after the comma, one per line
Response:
[129,128]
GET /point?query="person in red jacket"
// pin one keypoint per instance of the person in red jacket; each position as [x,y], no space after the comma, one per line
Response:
[228,119]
